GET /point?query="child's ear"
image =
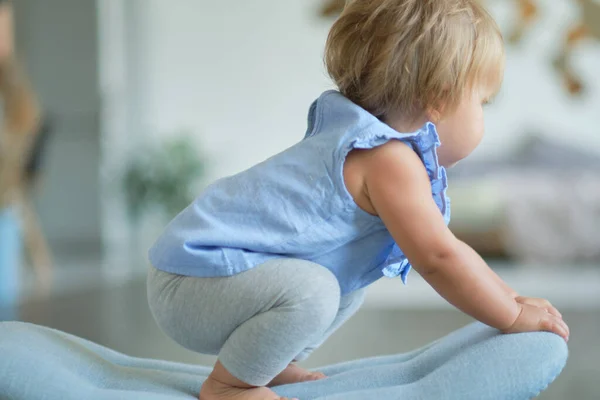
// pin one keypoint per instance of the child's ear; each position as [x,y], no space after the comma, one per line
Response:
[434,115]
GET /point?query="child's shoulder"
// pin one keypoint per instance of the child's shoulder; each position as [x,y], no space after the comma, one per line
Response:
[382,165]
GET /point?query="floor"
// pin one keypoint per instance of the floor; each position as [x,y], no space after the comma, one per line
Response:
[118,317]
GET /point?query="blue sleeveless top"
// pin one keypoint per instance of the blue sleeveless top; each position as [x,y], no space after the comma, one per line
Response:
[295,204]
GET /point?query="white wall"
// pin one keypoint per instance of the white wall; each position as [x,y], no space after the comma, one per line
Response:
[122,27]
[241,75]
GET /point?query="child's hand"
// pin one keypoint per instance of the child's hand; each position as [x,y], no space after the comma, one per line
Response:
[541,303]
[533,318]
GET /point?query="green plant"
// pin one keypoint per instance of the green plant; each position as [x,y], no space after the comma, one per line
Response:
[162,178]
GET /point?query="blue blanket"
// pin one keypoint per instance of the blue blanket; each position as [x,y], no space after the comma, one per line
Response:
[473,363]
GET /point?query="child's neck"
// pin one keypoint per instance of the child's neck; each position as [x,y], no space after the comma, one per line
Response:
[403,124]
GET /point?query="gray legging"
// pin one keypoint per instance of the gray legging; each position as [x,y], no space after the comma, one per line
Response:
[257,321]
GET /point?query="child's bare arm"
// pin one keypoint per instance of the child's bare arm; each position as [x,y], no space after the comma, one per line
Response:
[399,190]
[511,292]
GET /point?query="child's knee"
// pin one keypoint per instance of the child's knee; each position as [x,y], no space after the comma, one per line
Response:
[316,298]
[321,310]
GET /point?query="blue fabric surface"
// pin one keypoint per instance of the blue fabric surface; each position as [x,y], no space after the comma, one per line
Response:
[473,363]
[296,205]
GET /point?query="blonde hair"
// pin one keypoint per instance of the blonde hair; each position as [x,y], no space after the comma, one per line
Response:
[412,56]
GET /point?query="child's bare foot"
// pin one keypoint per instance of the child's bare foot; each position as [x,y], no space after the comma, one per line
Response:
[213,390]
[295,374]
[221,385]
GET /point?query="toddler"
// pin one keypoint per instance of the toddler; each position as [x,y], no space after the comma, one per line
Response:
[264,265]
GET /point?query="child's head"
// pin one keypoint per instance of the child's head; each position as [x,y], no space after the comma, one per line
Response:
[415,59]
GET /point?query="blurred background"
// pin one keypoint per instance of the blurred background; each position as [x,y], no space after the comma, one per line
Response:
[115,114]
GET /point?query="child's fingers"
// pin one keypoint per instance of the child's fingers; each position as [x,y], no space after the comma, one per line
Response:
[566,328]
[556,325]
[552,310]
[545,304]
[563,325]
[541,303]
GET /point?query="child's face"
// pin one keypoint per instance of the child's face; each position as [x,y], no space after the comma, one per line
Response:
[461,131]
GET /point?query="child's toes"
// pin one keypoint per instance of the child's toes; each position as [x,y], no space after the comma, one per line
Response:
[315,376]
